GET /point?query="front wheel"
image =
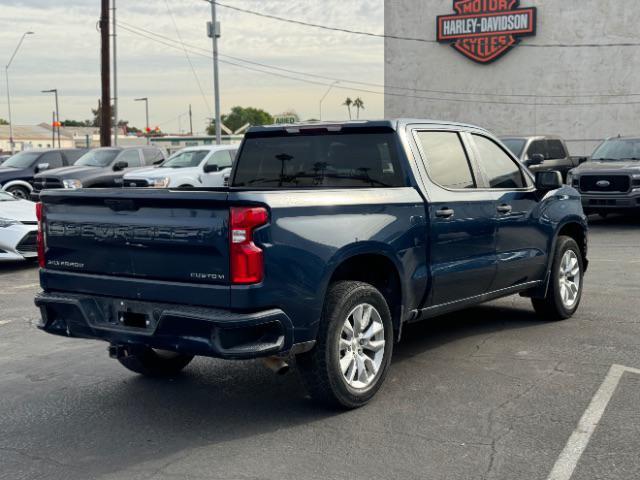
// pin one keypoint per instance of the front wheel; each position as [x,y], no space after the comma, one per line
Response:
[351,358]
[19,192]
[154,363]
[566,282]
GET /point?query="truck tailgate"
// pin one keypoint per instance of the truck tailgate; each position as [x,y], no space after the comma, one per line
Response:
[139,234]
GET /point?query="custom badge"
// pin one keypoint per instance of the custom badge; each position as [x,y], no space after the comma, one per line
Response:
[484,30]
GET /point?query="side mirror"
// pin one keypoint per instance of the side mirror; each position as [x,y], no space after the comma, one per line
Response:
[42,167]
[159,162]
[535,159]
[551,180]
[211,168]
[119,166]
[581,160]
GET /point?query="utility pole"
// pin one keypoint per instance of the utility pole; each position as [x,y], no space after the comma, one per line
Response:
[105,111]
[214,34]
[55,126]
[190,121]
[115,77]
[6,72]
[325,96]
[146,105]
[53,130]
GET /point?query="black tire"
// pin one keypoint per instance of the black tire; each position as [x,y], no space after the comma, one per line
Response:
[152,363]
[19,192]
[320,368]
[552,307]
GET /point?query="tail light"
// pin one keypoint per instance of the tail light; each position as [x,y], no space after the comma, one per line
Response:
[40,236]
[246,260]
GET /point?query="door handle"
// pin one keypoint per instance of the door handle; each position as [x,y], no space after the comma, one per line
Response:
[445,213]
[505,209]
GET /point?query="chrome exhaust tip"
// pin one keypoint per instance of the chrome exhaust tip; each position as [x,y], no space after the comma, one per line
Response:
[276,364]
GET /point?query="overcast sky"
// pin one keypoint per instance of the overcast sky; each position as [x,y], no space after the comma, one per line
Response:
[64,54]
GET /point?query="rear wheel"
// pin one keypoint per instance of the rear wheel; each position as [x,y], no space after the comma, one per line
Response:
[19,192]
[566,282]
[353,351]
[154,363]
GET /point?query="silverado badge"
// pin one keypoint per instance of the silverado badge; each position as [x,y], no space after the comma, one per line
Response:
[484,30]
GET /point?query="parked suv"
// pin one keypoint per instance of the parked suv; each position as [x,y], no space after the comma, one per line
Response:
[203,166]
[17,173]
[330,239]
[541,153]
[101,167]
[610,180]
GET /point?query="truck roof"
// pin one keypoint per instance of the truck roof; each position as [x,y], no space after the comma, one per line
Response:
[395,124]
[540,135]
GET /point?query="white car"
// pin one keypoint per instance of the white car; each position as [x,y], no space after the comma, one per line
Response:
[203,166]
[18,228]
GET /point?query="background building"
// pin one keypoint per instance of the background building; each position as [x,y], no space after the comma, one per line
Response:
[575,92]
[27,137]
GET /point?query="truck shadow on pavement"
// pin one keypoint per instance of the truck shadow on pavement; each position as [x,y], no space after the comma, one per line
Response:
[137,422]
[619,221]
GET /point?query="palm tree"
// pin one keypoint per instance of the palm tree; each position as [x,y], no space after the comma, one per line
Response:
[359,104]
[348,102]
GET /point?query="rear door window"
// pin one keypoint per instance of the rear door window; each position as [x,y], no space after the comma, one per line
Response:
[222,159]
[355,157]
[538,147]
[54,159]
[446,160]
[132,157]
[152,156]
[556,149]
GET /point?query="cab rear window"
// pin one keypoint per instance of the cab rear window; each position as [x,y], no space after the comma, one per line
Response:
[319,158]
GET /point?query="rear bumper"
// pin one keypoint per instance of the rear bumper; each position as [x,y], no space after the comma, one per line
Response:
[190,330]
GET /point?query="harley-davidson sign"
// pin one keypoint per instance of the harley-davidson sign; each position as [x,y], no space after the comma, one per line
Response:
[484,30]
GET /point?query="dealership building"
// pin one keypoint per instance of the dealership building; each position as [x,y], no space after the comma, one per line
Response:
[563,67]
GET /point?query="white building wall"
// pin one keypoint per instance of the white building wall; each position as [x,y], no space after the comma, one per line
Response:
[523,70]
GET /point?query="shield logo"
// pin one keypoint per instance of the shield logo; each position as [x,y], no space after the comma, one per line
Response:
[484,30]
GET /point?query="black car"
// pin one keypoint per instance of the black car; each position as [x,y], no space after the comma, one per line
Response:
[610,181]
[16,173]
[99,168]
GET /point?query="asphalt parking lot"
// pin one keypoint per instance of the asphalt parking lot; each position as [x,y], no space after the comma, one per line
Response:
[488,393]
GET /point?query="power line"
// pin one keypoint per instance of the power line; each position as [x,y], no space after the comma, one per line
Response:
[394,87]
[415,39]
[186,54]
[392,94]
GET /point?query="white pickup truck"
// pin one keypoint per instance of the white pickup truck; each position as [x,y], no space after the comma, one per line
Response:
[202,166]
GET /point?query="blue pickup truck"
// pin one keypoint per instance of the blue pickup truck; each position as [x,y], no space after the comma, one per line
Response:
[329,239]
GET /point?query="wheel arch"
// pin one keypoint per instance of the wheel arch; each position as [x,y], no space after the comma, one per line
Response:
[575,228]
[18,183]
[377,266]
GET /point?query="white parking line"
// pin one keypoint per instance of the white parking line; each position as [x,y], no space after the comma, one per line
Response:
[30,285]
[4,322]
[568,459]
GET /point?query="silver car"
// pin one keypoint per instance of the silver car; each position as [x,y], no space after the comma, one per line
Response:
[18,228]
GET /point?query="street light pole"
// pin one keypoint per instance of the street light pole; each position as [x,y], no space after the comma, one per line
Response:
[325,95]
[6,73]
[57,116]
[146,104]
[214,33]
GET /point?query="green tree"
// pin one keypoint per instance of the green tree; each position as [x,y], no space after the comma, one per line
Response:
[240,116]
[348,102]
[3,122]
[359,104]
